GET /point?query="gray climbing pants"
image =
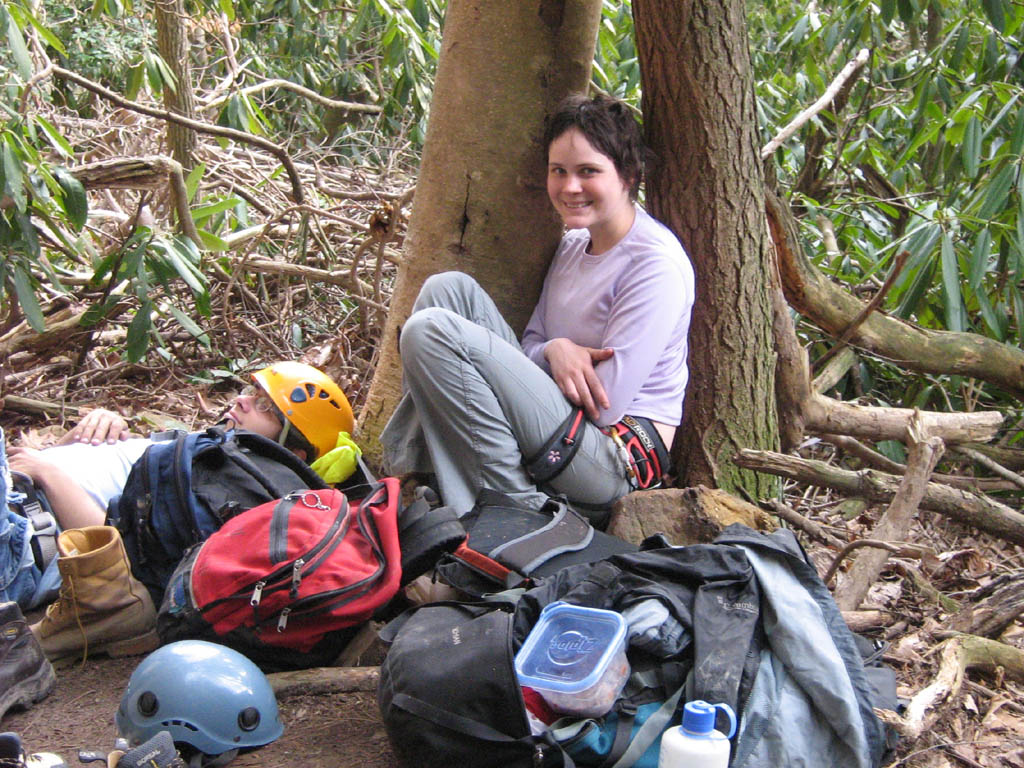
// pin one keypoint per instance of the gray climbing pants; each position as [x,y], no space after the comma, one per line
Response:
[474,405]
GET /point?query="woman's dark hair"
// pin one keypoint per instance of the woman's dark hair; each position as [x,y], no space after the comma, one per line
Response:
[610,128]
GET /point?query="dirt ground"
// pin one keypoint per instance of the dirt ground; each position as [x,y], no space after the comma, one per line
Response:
[320,731]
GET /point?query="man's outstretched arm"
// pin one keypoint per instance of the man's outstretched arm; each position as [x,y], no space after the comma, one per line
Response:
[72,506]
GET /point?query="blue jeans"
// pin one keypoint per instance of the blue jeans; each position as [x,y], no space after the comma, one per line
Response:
[20,579]
[474,405]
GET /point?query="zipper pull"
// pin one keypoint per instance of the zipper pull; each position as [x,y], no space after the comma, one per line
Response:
[296,576]
[538,756]
[283,621]
[257,593]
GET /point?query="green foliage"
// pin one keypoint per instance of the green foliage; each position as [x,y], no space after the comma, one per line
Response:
[32,188]
[381,52]
[616,68]
[145,262]
[925,157]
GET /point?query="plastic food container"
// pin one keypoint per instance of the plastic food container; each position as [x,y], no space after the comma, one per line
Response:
[575,657]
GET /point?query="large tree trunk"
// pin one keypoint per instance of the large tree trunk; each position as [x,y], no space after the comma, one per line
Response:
[707,186]
[172,42]
[481,205]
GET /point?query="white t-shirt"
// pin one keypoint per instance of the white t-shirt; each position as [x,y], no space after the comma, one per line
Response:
[101,470]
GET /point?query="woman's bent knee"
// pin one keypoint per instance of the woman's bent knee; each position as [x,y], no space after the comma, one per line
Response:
[426,331]
[443,284]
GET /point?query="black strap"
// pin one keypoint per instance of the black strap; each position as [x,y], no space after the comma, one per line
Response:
[626,713]
[452,721]
[552,459]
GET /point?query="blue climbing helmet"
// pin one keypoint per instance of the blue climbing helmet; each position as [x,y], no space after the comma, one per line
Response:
[207,696]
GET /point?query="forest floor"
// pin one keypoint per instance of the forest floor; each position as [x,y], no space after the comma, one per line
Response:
[324,730]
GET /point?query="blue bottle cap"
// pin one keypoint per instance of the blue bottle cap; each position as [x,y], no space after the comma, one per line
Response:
[699,718]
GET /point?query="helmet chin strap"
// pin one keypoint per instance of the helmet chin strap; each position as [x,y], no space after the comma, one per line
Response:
[284,432]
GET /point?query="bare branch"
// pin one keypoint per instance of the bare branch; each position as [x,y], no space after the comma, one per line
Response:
[845,74]
[213,130]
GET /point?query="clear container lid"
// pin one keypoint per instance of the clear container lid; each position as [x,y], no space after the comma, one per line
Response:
[569,648]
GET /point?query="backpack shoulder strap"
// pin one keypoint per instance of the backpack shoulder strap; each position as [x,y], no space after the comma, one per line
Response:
[267,448]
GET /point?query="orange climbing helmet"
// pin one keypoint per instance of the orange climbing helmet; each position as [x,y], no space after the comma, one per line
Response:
[310,400]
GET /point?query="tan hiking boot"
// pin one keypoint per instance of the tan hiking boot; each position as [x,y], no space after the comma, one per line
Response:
[102,608]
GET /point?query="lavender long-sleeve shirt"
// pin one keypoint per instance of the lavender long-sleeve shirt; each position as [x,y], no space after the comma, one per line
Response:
[635,298]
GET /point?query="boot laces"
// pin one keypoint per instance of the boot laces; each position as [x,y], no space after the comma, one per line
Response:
[66,597]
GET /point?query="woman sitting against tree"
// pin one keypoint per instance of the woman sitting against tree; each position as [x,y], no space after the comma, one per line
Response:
[608,339]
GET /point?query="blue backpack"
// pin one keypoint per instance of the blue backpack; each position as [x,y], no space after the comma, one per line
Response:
[184,488]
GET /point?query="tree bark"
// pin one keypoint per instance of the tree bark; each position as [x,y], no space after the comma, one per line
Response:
[481,203]
[172,42]
[708,187]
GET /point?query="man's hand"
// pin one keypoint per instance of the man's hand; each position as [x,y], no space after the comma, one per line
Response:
[572,368]
[98,426]
[71,504]
[31,462]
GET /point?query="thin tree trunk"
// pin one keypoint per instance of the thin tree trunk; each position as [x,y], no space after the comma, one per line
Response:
[481,203]
[708,187]
[172,42]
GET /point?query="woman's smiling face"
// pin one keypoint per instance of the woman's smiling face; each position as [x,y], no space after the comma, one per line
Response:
[587,191]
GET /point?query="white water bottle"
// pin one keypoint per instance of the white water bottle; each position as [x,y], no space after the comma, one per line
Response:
[696,743]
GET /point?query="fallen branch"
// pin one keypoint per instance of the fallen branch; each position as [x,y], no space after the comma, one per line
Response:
[876,460]
[324,680]
[333,277]
[833,309]
[833,372]
[895,522]
[288,85]
[823,415]
[993,608]
[864,621]
[957,655]
[143,173]
[991,465]
[811,528]
[876,301]
[924,587]
[31,405]
[57,331]
[900,549]
[975,510]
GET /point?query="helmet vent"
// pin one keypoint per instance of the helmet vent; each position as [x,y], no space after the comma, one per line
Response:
[148,704]
[181,724]
[249,719]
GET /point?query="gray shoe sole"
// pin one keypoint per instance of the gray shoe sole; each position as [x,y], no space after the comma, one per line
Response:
[30,690]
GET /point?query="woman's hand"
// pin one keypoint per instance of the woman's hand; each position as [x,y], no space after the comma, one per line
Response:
[98,426]
[572,368]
